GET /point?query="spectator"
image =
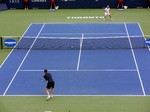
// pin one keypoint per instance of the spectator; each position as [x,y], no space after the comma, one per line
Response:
[148,3]
[53,4]
[26,3]
[120,3]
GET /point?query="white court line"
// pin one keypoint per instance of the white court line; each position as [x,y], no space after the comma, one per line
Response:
[22,61]
[100,70]
[135,61]
[143,35]
[80,37]
[80,33]
[79,57]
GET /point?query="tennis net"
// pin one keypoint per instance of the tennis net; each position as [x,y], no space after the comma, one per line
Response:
[84,42]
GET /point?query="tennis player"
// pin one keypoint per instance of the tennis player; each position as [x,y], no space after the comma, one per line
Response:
[50,84]
[107,12]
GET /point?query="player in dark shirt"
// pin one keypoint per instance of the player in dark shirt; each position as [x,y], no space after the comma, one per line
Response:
[50,84]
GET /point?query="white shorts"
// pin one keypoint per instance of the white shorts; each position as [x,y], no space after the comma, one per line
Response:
[107,13]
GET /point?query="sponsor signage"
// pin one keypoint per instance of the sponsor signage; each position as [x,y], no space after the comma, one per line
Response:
[10,42]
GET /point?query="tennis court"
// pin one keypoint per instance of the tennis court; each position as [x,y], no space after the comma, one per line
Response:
[79,71]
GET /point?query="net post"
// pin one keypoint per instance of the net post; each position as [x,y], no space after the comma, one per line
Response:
[11,39]
[1,43]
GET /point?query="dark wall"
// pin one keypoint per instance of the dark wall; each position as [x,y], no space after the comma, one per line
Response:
[3,6]
[1,1]
[44,4]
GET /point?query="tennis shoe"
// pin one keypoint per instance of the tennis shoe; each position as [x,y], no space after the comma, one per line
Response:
[52,95]
[48,97]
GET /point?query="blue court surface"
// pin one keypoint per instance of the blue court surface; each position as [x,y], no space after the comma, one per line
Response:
[78,72]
